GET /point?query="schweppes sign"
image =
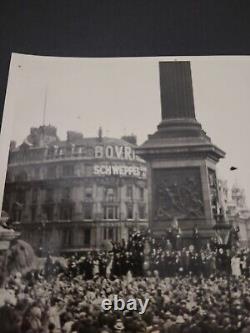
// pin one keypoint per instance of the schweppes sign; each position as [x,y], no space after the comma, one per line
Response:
[120,170]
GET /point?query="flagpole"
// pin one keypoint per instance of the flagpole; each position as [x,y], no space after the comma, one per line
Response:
[45,105]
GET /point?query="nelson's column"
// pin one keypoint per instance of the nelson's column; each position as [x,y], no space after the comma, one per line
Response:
[182,160]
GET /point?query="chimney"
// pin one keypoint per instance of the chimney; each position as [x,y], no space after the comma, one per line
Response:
[100,134]
[12,145]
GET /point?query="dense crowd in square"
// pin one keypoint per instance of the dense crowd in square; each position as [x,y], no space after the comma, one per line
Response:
[190,289]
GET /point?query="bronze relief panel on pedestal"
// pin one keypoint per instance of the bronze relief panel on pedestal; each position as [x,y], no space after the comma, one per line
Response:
[177,193]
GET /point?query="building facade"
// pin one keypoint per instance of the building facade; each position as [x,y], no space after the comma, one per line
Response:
[75,194]
[235,209]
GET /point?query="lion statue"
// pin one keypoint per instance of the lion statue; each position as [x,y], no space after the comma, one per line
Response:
[20,257]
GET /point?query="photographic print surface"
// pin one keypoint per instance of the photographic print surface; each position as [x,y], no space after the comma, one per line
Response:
[125,191]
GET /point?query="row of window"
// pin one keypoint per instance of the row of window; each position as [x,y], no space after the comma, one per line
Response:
[110,194]
[53,152]
[52,171]
[71,150]
[109,233]
[67,237]
[66,211]
[68,170]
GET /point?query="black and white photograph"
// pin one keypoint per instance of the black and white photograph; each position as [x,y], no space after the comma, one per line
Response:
[125,195]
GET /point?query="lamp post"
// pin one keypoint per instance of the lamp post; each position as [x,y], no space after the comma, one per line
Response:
[223,231]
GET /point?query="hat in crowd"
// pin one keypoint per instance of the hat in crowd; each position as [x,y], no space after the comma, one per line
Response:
[82,315]
[186,316]
[36,312]
[155,329]
[167,313]
[180,320]
[105,329]
[119,325]
[156,320]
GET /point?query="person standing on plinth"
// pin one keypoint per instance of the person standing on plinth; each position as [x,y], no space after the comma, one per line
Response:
[196,238]
[178,239]
[176,234]
[235,265]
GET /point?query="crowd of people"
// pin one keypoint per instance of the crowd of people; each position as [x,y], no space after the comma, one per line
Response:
[144,255]
[189,289]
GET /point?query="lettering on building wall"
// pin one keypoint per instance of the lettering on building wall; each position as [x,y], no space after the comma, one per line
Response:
[120,170]
[115,152]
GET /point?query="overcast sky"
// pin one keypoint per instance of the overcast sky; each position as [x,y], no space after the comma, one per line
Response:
[123,96]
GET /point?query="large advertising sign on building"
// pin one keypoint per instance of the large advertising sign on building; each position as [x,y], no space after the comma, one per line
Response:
[116,152]
[120,170]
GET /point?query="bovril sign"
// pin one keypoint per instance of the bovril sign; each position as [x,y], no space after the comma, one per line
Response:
[121,153]
[115,152]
